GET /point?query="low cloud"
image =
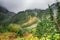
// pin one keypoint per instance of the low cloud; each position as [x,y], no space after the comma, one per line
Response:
[20,5]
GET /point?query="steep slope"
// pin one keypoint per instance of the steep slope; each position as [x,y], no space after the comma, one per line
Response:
[24,16]
[28,17]
[5,15]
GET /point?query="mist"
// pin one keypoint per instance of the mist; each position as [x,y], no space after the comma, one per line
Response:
[20,5]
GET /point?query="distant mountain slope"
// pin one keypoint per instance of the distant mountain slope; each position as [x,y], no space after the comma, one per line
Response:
[5,15]
[24,16]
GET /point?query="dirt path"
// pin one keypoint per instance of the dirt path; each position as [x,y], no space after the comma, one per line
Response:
[33,26]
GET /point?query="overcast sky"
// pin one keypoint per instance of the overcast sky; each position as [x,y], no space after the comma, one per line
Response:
[20,5]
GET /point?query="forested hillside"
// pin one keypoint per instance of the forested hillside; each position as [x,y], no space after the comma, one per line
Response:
[5,15]
[31,24]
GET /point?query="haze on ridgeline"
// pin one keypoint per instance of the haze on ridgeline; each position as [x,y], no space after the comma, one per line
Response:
[20,5]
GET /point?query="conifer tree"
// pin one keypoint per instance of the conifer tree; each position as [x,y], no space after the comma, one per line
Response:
[51,12]
[58,14]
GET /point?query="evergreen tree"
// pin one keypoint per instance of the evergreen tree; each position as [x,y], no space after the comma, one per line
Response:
[58,14]
[51,12]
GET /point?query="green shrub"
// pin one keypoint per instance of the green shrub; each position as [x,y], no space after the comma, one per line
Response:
[3,29]
[14,27]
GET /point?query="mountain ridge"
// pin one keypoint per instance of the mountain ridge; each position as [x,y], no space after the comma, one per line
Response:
[24,16]
[5,15]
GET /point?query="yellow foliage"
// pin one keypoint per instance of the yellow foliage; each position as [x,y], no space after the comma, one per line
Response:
[31,20]
[10,36]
